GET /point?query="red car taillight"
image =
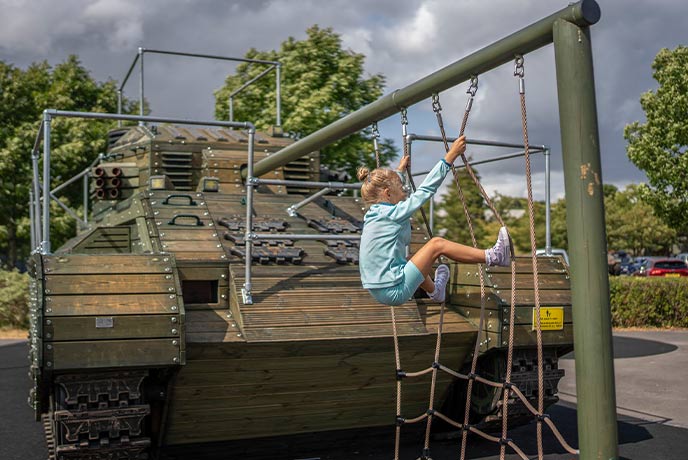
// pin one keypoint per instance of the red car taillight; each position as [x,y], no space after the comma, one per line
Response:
[654,272]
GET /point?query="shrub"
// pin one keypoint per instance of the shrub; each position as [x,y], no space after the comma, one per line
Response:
[649,302]
[14,299]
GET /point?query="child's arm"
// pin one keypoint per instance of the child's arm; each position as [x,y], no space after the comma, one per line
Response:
[405,209]
[403,163]
[457,148]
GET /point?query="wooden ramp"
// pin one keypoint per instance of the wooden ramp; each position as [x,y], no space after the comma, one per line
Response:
[319,302]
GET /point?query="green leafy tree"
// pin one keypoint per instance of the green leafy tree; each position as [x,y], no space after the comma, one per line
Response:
[321,83]
[633,225]
[659,145]
[24,94]
[451,218]
[558,229]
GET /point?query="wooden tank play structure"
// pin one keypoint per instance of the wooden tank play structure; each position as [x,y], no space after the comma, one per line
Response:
[210,295]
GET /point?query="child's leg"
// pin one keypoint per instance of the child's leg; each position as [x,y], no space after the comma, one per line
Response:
[425,257]
[428,285]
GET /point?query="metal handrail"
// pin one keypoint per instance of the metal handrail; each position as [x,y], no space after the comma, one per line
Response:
[141,51]
[532,149]
[40,223]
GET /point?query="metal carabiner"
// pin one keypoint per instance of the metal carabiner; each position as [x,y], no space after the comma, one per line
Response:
[436,106]
[519,72]
[518,66]
[376,147]
[376,132]
[404,119]
[473,88]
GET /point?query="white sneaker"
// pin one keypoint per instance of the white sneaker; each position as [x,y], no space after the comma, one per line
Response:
[441,279]
[500,253]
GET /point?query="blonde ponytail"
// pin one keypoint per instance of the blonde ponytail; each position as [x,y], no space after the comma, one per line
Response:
[374,182]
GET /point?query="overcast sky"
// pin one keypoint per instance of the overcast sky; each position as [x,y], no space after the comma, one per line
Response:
[402,39]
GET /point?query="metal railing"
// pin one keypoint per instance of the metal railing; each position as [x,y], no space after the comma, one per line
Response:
[273,65]
[545,150]
[40,205]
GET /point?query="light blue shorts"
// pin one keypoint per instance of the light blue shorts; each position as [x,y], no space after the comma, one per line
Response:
[400,293]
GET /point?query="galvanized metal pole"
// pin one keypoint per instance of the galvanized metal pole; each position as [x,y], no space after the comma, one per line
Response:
[548,206]
[119,106]
[278,79]
[37,192]
[45,243]
[597,430]
[248,235]
[32,221]
[86,178]
[141,50]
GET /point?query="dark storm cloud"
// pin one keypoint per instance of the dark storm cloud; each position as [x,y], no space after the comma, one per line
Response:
[404,40]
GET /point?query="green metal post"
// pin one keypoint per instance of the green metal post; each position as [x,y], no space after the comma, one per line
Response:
[597,430]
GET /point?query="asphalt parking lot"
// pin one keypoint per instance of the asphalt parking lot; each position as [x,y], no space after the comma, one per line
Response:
[651,369]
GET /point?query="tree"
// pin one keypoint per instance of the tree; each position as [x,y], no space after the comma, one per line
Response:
[558,229]
[658,146]
[24,94]
[451,218]
[320,84]
[632,224]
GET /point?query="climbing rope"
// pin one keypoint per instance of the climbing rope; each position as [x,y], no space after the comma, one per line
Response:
[519,72]
[506,387]
[409,176]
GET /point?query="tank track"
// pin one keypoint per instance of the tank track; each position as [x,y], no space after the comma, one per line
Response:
[524,375]
[486,401]
[98,417]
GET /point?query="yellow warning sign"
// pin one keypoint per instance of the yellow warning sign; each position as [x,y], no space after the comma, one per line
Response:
[551,318]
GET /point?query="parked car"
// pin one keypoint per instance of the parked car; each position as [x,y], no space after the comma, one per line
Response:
[630,265]
[555,252]
[683,256]
[619,263]
[662,266]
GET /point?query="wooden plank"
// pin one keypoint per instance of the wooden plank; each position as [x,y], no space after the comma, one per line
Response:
[201,272]
[195,234]
[523,281]
[470,296]
[191,245]
[525,337]
[105,284]
[331,332]
[350,361]
[113,304]
[522,315]
[214,337]
[259,351]
[199,256]
[116,246]
[320,315]
[166,214]
[362,397]
[111,353]
[112,327]
[111,231]
[110,264]
[183,433]
[524,264]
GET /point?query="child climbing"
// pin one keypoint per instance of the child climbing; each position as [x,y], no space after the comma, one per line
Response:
[385,271]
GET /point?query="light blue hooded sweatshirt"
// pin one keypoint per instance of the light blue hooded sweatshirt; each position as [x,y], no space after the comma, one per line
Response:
[387,233]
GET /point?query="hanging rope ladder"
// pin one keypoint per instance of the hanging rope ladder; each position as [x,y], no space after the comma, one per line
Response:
[507,388]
